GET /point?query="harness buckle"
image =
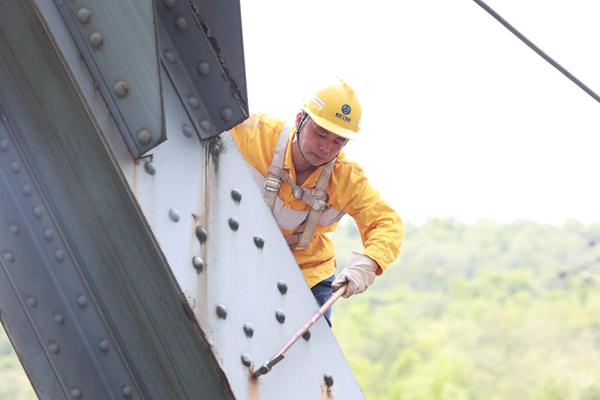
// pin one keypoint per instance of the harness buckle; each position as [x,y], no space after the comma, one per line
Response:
[272,184]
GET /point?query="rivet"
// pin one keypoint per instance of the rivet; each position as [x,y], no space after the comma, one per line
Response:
[84,15]
[174,215]
[187,130]
[214,147]
[221,311]
[127,392]
[205,125]
[234,224]
[170,56]
[282,286]
[58,318]
[203,68]
[4,144]
[121,88]
[246,359]
[201,234]
[259,241]
[59,255]
[236,195]
[96,39]
[15,167]
[198,263]
[103,345]
[226,113]
[27,190]
[169,3]
[150,167]
[75,392]
[14,229]
[193,102]
[82,301]
[280,316]
[328,378]
[144,136]
[8,256]
[49,234]
[180,23]
[53,347]
[38,212]
[306,335]
[248,329]
[31,301]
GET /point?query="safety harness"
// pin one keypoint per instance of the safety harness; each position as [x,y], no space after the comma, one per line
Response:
[315,198]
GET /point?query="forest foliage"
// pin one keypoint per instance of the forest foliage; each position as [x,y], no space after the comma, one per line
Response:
[482,311]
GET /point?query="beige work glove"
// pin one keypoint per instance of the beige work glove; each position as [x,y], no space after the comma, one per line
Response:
[359,273]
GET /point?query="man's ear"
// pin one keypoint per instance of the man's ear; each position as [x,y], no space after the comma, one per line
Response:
[299,118]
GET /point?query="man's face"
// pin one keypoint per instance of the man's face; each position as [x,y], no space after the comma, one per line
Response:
[318,145]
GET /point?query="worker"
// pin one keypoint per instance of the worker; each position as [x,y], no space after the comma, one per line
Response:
[309,184]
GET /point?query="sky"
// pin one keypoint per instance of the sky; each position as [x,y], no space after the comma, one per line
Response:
[460,118]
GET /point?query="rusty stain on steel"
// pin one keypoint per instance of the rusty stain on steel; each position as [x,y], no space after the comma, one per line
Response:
[189,313]
[253,389]
[326,392]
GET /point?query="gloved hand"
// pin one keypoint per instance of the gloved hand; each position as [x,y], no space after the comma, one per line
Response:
[359,273]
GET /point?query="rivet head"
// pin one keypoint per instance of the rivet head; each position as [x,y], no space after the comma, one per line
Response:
[8,256]
[246,359]
[96,39]
[150,167]
[234,224]
[49,234]
[221,311]
[171,57]
[144,136]
[84,15]
[236,195]
[38,212]
[59,255]
[14,229]
[193,102]
[198,263]
[306,335]
[121,88]
[4,145]
[58,318]
[201,234]
[328,378]
[15,167]
[259,241]
[82,301]
[280,316]
[169,3]
[31,301]
[127,392]
[180,23]
[205,125]
[75,392]
[103,345]
[27,189]
[226,113]
[174,215]
[53,347]
[282,286]
[203,68]
[187,131]
[248,329]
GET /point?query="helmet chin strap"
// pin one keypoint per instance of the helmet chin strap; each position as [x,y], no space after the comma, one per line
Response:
[298,140]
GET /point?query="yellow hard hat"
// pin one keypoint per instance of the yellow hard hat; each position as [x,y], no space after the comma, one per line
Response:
[336,109]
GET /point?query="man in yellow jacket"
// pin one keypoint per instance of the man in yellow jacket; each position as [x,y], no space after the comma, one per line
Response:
[309,185]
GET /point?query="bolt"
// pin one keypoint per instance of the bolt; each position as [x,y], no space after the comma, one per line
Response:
[236,195]
[282,286]
[280,316]
[246,359]
[198,263]
[38,212]
[174,215]
[170,56]
[180,23]
[187,131]
[82,301]
[169,3]
[53,347]
[103,345]
[248,329]
[4,145]
[27,190]
[96,39]
[31,301]
[8,256]
[59,255]
[205,125]
[15,167]
[226,113]
[150,167]
[193,102]
[121,88]
[49,234]
[75,392]
[201,234]
[14,229]
[127,392]
[328,378]
[84,15]
[234,224]
[306,335]
[58,318]
[221,311]
[144,136]
[203,68]
[259,241]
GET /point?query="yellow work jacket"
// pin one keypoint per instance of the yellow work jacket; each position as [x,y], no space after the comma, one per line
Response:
[349,193]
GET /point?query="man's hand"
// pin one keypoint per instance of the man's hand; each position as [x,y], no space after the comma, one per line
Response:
[359,273]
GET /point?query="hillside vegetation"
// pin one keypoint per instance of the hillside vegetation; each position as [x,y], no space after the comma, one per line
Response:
[485,311]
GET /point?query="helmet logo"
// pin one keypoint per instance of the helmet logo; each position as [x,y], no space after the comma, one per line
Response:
[346,109]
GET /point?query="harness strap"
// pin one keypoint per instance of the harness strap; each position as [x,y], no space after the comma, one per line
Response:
[273,181]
